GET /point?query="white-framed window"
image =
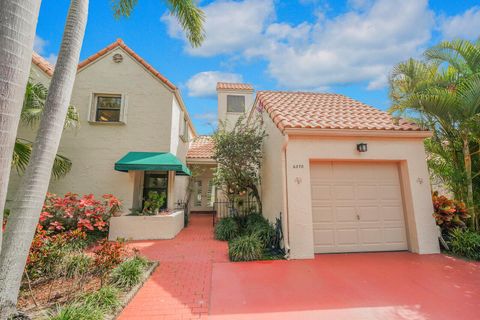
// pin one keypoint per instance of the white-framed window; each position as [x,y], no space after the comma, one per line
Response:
[235,104]
[108,108]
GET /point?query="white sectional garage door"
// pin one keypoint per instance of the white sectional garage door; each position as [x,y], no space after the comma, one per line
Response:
[357,207]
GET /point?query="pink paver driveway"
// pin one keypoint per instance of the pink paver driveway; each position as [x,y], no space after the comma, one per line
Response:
[195,280]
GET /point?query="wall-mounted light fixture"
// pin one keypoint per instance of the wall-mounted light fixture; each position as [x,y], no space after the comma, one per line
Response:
[362,147]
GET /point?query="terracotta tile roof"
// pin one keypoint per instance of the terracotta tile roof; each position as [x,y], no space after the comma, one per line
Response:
[43,64]
[201,148]
[326,111]
[233,86]
[121,44]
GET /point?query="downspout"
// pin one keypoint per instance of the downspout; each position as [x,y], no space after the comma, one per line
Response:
[286,229]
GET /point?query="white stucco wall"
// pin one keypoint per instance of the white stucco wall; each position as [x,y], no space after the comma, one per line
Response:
[272,178]
[95,147]
[408,152]
[230,118]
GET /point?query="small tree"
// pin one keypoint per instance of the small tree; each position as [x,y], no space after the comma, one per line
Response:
[238,153]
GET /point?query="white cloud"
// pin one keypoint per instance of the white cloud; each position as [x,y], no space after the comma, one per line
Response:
[360,45]
[352,47]
[230,26]
[466,25]
[204,84]
[208,118]
[39,46]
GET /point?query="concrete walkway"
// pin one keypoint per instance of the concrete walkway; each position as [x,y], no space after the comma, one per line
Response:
[180,286]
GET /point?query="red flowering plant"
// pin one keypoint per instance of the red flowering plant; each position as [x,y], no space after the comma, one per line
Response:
[73,212]
[449,213]
[109,254]
[48,250]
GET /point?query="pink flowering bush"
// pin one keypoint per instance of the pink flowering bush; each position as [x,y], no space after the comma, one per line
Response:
[72,212]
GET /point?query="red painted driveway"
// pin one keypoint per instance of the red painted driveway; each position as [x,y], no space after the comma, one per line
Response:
[396,285]
[195,281]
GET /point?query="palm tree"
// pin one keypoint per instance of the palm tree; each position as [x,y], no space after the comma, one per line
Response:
[18,21]
[28,201]
[33,105]
[443,92]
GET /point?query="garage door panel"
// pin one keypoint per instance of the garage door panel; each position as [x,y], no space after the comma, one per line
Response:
[345,214]
[344,192]
[357,207]
[321,192]
[323,214]
[371,236]
[389,192]
[346,237]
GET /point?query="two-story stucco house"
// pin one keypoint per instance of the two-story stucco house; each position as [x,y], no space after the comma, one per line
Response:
[344,176]
[134,129]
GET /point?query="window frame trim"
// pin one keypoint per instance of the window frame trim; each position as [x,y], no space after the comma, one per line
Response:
[244,104]
[92,116]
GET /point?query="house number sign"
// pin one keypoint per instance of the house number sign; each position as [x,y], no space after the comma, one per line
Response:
[298,166]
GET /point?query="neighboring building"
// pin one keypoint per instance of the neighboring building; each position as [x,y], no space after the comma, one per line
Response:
[343,176]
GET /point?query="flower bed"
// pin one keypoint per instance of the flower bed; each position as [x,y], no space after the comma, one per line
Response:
[71,265]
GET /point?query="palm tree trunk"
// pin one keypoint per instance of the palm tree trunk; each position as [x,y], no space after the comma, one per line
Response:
[31,193]
[18,21]
[468,170]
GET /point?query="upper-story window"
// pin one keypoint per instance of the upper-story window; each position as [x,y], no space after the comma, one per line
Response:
[235,104]
[108,108]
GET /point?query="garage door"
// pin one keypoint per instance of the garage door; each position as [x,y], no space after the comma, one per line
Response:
[357,207]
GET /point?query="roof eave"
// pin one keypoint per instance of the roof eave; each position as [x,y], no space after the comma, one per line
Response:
[357,133]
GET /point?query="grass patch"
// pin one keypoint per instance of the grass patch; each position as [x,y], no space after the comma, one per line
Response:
[106,299]
[128,273]
[78,312]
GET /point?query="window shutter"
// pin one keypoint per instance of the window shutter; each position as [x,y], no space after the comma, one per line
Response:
[123,112]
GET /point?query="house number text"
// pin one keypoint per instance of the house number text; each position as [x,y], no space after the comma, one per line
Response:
[298,166]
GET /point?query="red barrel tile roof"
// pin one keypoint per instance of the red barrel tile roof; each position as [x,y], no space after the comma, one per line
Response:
[43,64]
[326,111]
[201,148]
[233,86]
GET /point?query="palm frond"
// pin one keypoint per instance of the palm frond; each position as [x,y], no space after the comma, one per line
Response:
[463,55]
[123,8]
[21,156]
[191,18]
[33,103]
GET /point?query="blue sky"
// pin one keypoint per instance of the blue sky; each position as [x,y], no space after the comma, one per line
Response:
[346,46]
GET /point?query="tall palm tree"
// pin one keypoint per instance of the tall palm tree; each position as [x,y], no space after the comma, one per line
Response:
[33,106]
[28,201]
[18,21]
[443,92]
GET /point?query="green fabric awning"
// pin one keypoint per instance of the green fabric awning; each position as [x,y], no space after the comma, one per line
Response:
[152,161]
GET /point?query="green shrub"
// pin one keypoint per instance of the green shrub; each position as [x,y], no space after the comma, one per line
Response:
[226,229]
[128,273]
[253,219]
[107,299]
[78,312]
[245,248]
[264,232]
[465,243]
[76,265]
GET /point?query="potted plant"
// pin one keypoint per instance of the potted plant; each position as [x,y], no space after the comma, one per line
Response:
[154,202]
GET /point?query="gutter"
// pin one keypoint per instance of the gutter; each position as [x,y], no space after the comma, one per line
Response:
[286,230]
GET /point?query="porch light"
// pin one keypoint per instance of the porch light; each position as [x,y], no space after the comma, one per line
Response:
[362,147]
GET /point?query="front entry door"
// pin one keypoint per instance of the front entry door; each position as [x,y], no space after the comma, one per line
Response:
[203,195]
